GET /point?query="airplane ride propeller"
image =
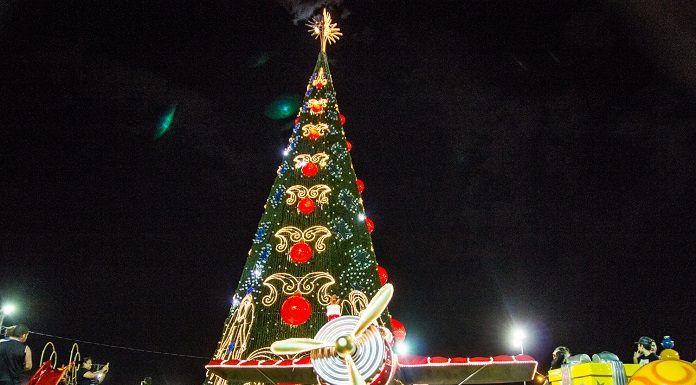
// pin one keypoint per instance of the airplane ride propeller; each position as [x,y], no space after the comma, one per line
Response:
[347,343]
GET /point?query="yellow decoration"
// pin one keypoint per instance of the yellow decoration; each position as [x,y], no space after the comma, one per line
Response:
[669,354]
[317,192]
[316,102]
[321,159]
[304,285]
[237,332]
[357,301]
[320,128]
[316,234]
[322,28]
[320,78]
[591,373]
[665,372]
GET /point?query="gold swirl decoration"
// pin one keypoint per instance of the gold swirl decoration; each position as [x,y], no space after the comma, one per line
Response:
[357,301]
[317,102]
[318,192]
[262,354]
[320,128]
[291,232]
[316,234]
[320,78]
[289,285]
[267,354]
[321,159]
[238,332]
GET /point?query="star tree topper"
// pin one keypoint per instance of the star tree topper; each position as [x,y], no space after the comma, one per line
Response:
[322,27]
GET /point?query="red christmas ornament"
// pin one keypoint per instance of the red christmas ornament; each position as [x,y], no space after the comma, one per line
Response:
[295,310]
[313,134]
[305,206]
[343,119]
[370,225]
[317,108]
[310,169]
[349,145]
[301,252]
[383,276]
[297,120]
[360,184]
[319,86]
[398,330]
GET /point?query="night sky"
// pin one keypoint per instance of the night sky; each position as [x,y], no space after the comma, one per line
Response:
[528,162]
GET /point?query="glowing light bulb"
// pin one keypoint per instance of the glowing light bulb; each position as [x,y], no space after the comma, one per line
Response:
[402,348]
[8,308]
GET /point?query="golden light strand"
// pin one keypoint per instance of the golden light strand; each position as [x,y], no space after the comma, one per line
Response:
[304,285]
[317,192]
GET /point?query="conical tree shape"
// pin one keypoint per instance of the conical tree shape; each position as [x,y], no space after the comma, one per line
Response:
[312,241]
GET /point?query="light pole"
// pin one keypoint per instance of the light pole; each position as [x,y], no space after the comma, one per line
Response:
[6,309]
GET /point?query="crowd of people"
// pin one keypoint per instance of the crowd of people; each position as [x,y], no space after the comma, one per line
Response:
[646,352]
[16,363]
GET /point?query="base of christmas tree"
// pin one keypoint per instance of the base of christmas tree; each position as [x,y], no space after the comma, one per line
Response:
[411,370]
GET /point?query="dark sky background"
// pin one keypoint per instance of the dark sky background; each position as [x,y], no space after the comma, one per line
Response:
[525,162]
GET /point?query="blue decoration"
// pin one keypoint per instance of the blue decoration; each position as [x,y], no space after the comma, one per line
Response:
[361,257]
[333,115]
[309,91]
[249,290]
[361,270]
[283,168]
[339,150]
[293,142]
[667,342]
[347,200]
[340,229]
[261,232]
[278,196]
[334,170]
[230,347]
[265,252]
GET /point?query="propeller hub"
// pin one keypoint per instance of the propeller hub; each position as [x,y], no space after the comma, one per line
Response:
[345,345]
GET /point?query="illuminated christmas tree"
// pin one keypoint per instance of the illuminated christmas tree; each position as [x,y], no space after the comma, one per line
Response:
[313,241]
[311,303]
